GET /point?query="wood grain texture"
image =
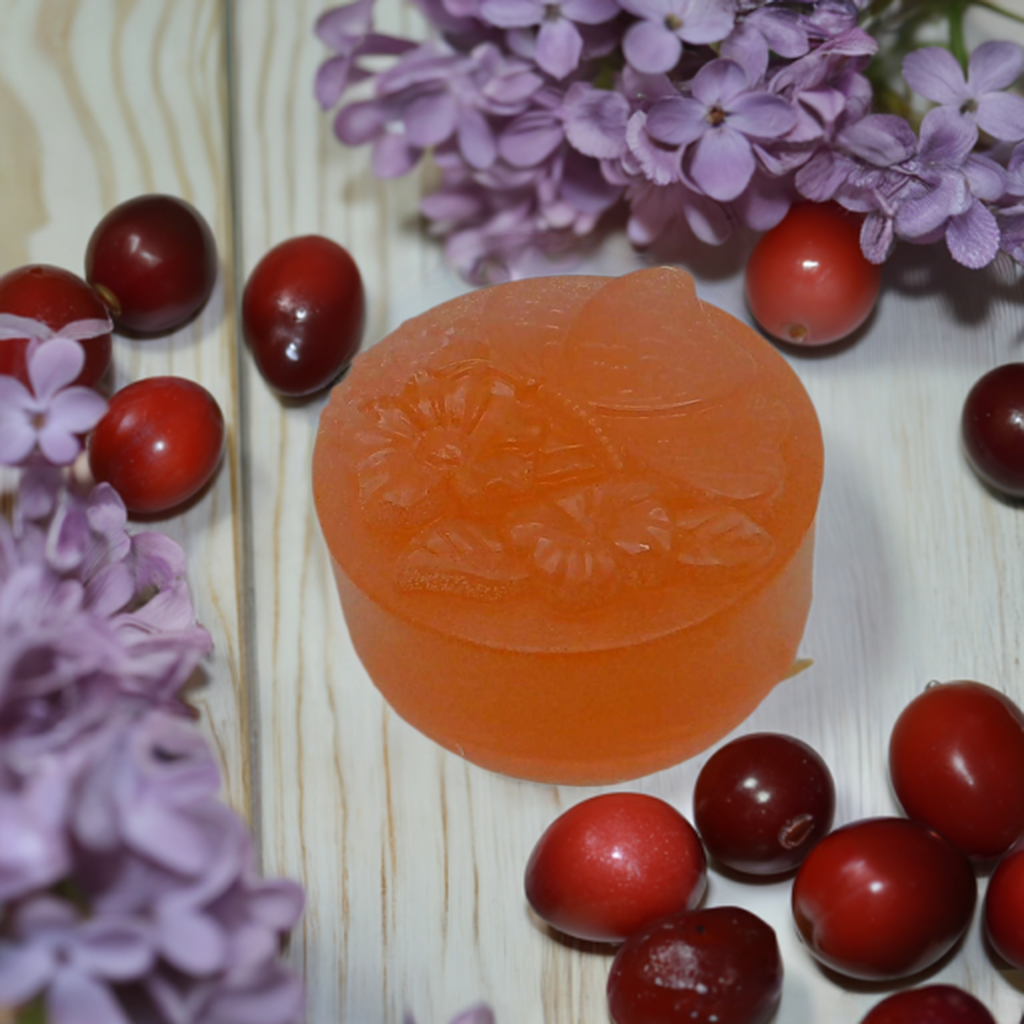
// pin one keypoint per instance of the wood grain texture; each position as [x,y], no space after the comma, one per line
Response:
[413,859]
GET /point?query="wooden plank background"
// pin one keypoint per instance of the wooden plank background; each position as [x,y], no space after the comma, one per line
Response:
[413,859]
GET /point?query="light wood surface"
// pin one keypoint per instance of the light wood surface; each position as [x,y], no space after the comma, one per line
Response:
[413,859]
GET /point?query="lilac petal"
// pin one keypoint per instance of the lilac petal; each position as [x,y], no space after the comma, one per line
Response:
[58,446]
[559,46]
[986,178]
[946,137]
[479,1014]
[719,82]
[709,221]
[935,73]
[595,120]
[512,13]
[783,30]
[77,409]
[881,139]
[659,165]
[54,365]
[342,28]
[590,12]
[678,121]
[333,77]
[430,119]
[530,138]
[393,156]
[748,48]
[361,122]
[110,589]
[994,65]
[476,139]
[158,560]
[170,838]
[277,903]
[275,998]
[973,237]
[17,438]
[74,998]
[723,163]
[512,90]
[190,941]
[876,238]
[762,116]
[118,949]
[83,330]
[920,216]
[450,206]
[651,48]
[12,326]
[25,970]
[1002,116]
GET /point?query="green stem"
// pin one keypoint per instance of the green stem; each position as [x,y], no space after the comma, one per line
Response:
[957,43]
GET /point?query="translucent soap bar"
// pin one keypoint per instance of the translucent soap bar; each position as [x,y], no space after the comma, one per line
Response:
[571,521]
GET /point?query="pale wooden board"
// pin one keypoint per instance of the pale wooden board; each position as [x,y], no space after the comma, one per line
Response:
[413,859]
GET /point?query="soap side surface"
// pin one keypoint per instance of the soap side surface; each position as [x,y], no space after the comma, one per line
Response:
[586,505]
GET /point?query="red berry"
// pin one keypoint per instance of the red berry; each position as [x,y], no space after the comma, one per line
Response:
[956,759]
[807,280]
[720,964]
[613,863]
[1004,908]
[930,1004]
[56,298]
[882,899]
[159,443]
[993,428]
[302,314]
[154,260]
[762,802]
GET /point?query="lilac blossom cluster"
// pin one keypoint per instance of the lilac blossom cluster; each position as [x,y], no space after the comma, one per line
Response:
[543,116]
[128,889]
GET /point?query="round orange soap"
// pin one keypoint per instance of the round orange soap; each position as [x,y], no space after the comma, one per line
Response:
[571,521]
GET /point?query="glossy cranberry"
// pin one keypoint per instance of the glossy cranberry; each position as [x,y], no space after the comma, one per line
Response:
[613,863]
[883,898]
[807,280]
[956,759]
[930,1004]
[56,298]
[1004,908]
[762,802]
[159,443]
[154,261]
[719,964]
[303,310]
[993,428]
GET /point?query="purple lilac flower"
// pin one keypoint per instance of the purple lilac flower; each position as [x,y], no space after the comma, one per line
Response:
[715,126]
[51,413]
[920,190]
[1009,212]
[74,961]
[993,66]
[655,43]
[559,43]
[762,31]
[432,95]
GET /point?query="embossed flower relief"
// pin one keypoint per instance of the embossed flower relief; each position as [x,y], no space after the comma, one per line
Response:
[493,485]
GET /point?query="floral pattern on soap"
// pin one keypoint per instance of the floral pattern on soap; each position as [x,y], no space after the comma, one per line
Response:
[493,484]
